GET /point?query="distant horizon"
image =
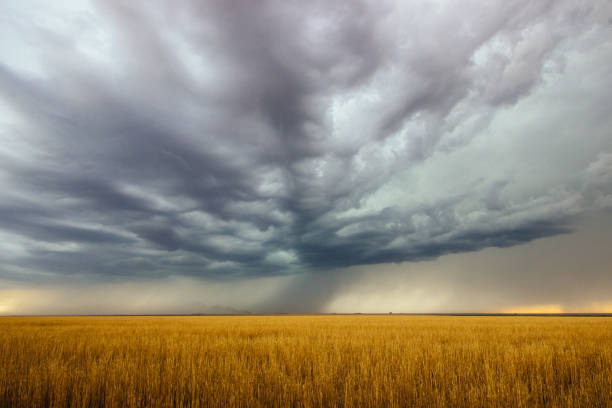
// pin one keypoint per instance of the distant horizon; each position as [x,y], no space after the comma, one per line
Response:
[322,314]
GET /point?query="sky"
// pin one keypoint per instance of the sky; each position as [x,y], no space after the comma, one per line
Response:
[287,156]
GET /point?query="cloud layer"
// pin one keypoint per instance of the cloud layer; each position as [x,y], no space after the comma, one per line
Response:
[231,140]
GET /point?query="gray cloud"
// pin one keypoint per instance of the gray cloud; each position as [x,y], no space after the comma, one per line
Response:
[236,140]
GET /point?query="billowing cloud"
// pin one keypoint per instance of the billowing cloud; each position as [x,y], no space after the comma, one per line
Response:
[230,140]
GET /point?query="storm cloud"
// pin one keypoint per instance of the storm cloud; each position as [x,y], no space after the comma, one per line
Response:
[240,140]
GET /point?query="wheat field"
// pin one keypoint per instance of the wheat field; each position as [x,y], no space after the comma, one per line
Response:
[306,361]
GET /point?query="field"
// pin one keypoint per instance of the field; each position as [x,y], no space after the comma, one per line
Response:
[343,361]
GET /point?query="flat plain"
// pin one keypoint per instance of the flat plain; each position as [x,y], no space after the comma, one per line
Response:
[306,361]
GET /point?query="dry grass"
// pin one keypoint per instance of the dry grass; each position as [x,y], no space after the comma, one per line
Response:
[365,361]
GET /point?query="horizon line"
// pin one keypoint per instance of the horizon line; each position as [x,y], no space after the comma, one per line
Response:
[457,314]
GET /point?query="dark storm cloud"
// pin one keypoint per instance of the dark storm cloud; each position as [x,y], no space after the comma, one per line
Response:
[234,139]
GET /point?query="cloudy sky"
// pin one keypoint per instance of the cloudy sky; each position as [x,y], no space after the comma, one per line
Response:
[291,156]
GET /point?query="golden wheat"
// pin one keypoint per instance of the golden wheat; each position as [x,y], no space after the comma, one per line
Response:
[335,361]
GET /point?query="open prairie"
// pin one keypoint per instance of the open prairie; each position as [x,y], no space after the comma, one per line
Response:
[344,361]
